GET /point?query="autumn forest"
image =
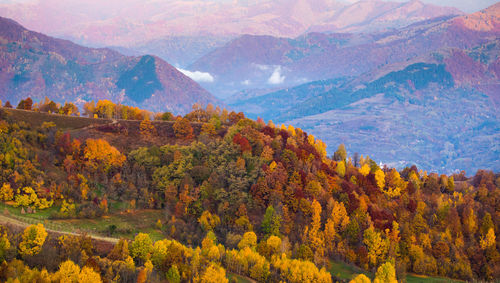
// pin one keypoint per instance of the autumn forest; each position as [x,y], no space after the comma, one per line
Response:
[224,198]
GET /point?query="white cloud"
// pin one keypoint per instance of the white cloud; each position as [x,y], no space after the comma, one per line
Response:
[276,78]
[197,76]
[262,67]
[245,82]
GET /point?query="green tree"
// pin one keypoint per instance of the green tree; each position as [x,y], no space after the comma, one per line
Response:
[173,275]
[141,247]
[271,222]
[386,273]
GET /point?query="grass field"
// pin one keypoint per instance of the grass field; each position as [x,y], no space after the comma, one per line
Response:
[127,225]
[346,272]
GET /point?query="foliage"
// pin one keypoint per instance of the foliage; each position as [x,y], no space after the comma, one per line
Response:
[141,247]
[271,204]
[361,278]
[101,155]
[6,192]
[33,239]
[385,273]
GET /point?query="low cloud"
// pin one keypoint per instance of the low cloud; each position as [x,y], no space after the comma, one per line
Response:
[276,78]
[245,82]
[197,76]
[262,67]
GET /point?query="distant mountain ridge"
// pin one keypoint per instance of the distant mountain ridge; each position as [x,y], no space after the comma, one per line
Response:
[250,60]
[132,22]
[37,65]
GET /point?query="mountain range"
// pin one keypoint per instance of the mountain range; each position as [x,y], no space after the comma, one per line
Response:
[182,31]
[127,22]
[35,65]
[250,61]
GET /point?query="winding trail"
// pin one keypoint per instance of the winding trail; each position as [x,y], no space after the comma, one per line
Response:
[4,219]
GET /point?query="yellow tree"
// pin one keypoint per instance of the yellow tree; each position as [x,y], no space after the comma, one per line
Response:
[274,243]
[105,109]
[159,253]
[377,247]
[489,240]
[386,273]
[6,192]
[380,178]
[4,246]
[340,169]
[208,221]
[249,240]
[88,275]
[101,155]
[361,278]
[214,274]
[314,235]
[394,184]
[32,240]
[336,224]
[147,128]
[364,170]
[89,108]
[68,272]
[141,247]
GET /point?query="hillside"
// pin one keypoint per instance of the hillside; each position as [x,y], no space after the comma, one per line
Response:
[216,195]
[36,65]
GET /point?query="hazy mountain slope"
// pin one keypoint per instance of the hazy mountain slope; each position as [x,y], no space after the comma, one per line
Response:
[128,22]
[36,65]
[323,56]
[179,51]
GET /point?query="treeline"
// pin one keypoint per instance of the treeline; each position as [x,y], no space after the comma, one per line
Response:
[104,109]
[242,184]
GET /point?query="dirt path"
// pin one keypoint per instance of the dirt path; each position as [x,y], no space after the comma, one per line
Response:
[4,219]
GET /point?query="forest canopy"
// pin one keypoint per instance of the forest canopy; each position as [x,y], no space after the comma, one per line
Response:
[234,197]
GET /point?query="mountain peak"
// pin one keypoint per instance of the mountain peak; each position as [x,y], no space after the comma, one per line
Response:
[493,10]
[63,71]
[487,20]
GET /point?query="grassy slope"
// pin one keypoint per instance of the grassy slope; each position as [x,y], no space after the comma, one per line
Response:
[63,122]
[346,272]
[130,223]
